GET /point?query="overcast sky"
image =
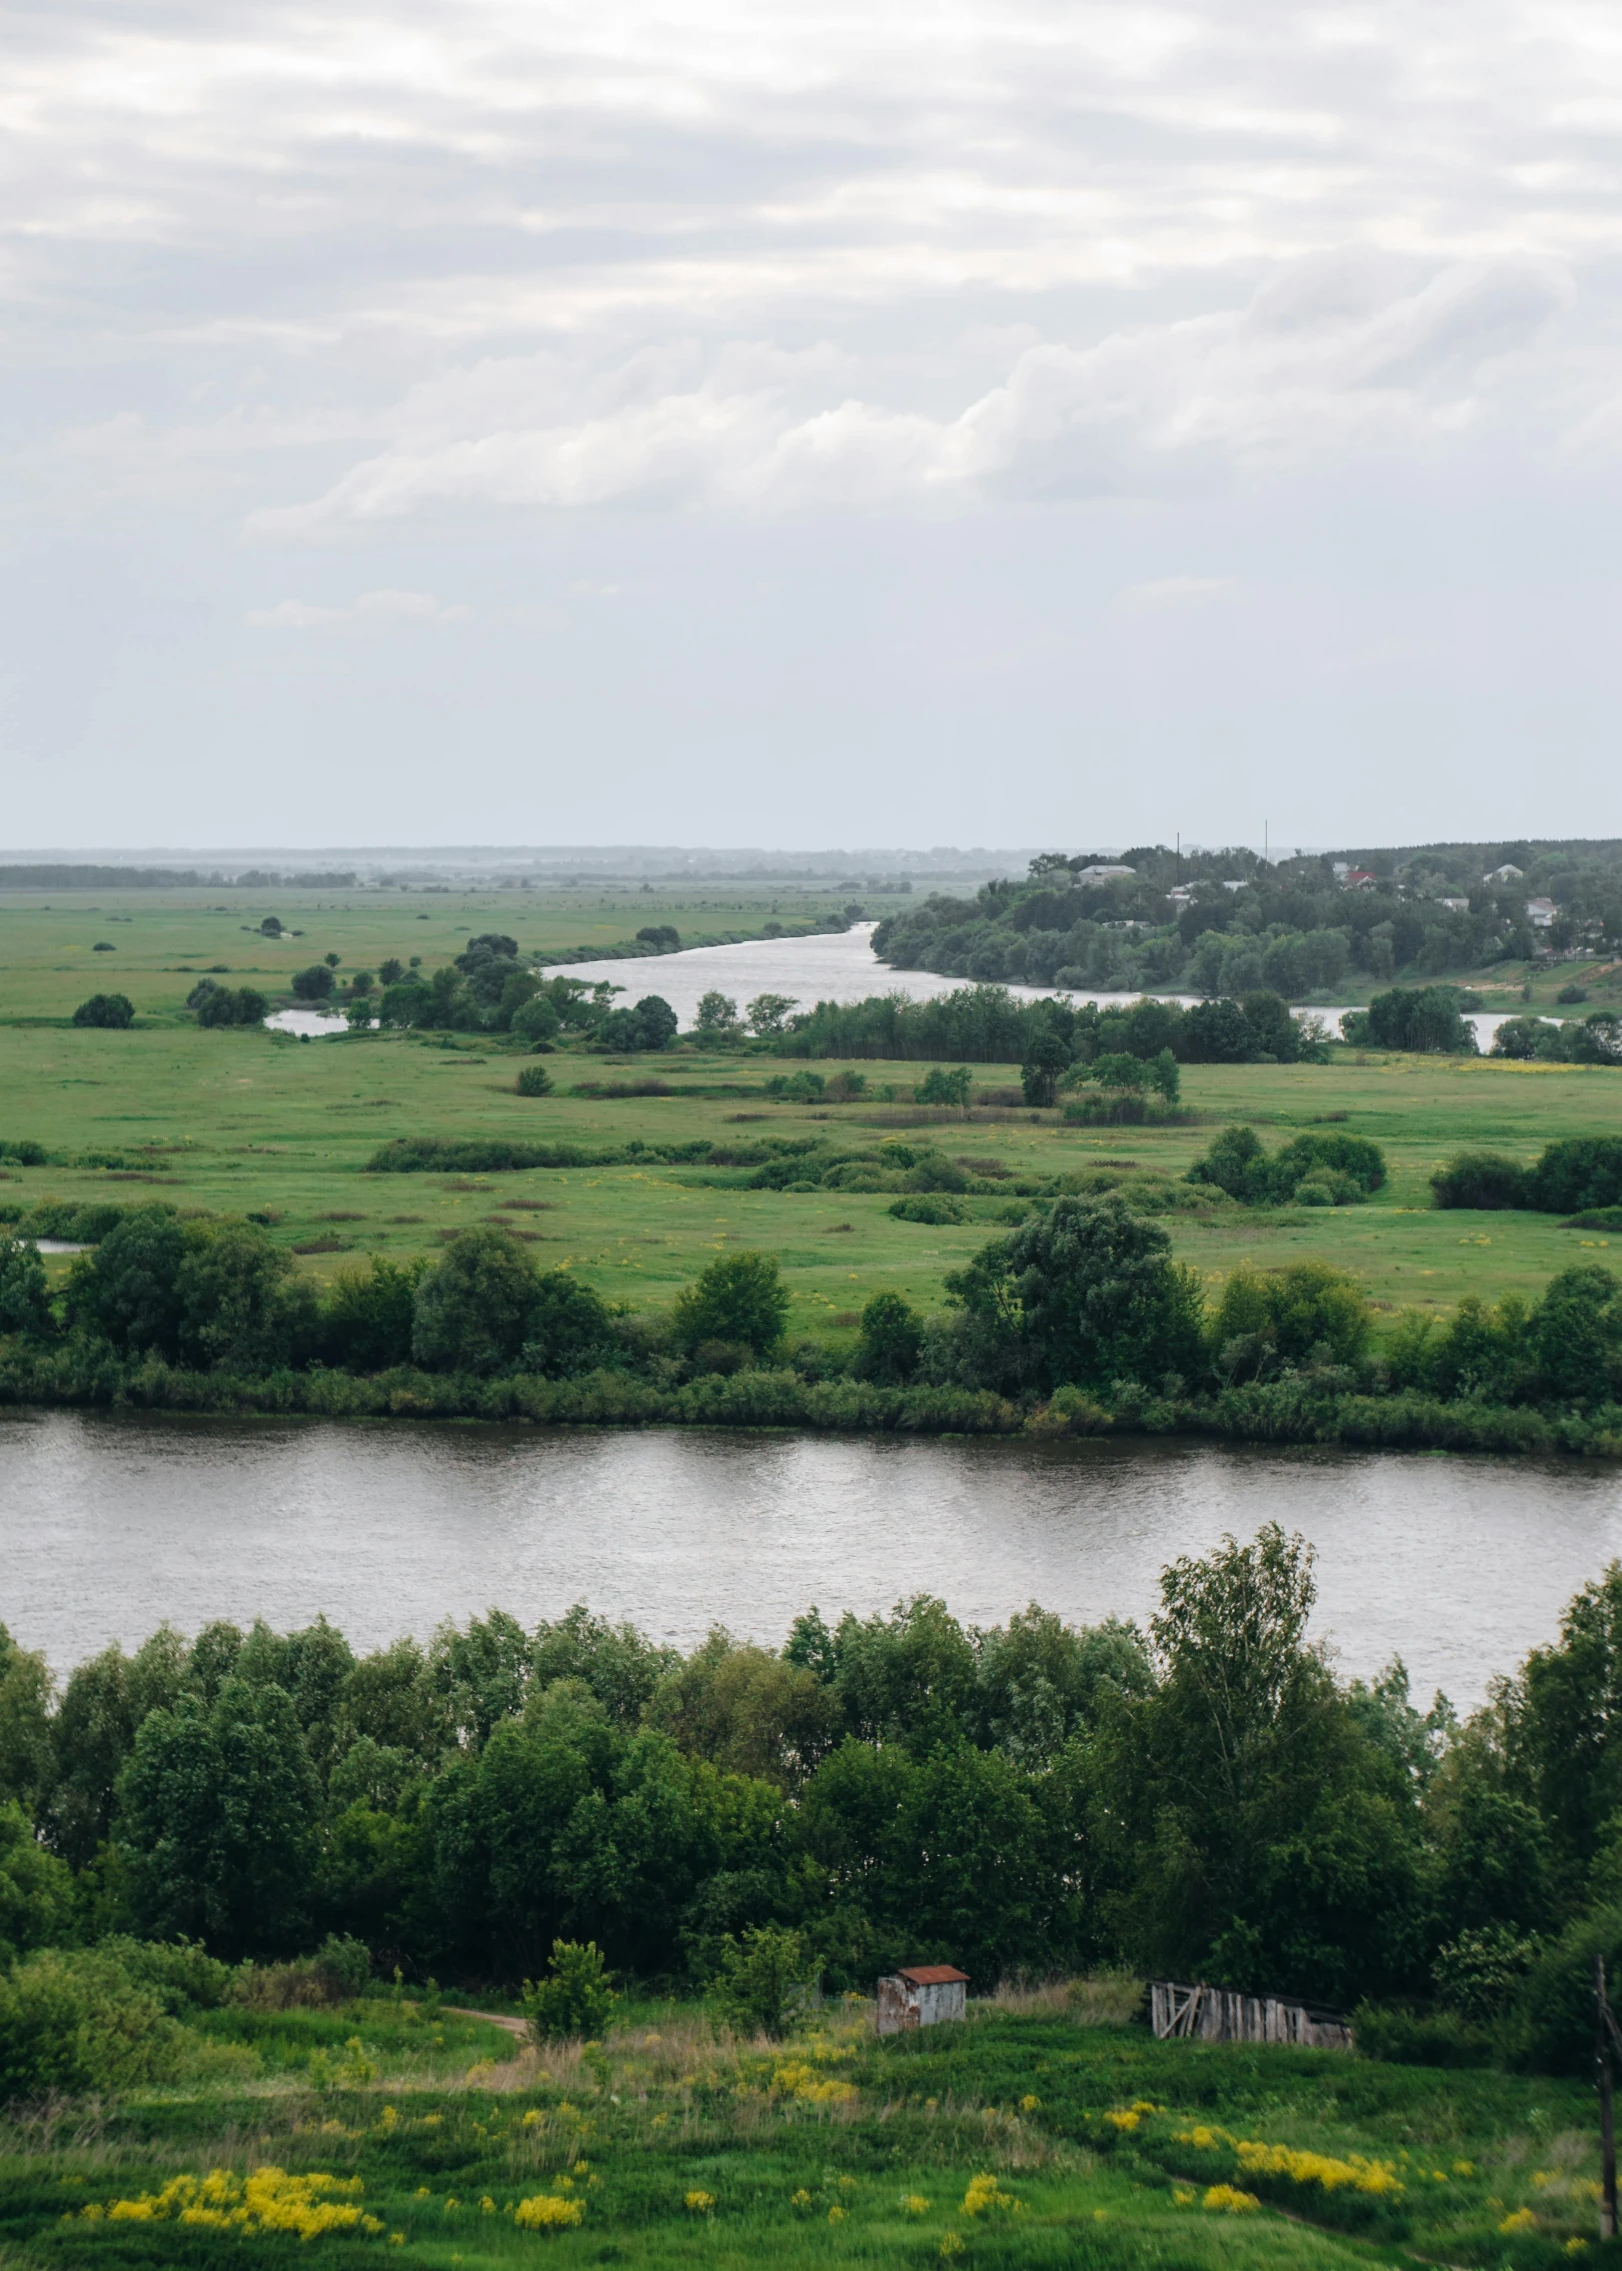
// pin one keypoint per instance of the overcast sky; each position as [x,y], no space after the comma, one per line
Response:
[984,422]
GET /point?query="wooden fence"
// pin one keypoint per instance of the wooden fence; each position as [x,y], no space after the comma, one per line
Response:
[1214,2014]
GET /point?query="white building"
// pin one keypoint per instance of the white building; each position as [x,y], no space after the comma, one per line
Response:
[920,1995]
[1102,874]
[1504,874]
[1540,913]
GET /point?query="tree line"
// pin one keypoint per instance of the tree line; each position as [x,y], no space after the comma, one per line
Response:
[1201,1797]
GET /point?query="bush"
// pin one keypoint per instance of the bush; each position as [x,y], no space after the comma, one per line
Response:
[367,1317]
[1314,1169]
[533,1080]
[575,2000]
[1550,2026]
[765,1977]
[536,1021]
[313,984]
[77,2023]
[1401,2037]
[740,1297]
[226,1005]
[1424,1018]
[1288,1318]
[1480,1179]
[932,1208]
[36,1889]
[1581,1172]
[114,1011]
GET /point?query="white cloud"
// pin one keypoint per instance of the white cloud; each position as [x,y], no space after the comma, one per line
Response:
[1166,592]
[371,607]
[1333,354]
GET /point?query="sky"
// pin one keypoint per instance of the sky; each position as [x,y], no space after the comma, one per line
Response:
[985,422]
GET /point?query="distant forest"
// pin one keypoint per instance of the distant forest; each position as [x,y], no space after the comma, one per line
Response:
[1230,922]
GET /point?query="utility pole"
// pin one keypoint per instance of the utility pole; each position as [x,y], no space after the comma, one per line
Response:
[1605,2033]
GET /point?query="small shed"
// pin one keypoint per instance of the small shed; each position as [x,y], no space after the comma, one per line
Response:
[920,1995]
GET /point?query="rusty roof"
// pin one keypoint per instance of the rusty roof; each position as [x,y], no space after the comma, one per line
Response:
[931,1974]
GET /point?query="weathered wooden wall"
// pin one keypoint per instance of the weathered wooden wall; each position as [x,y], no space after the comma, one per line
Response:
[1216,2014]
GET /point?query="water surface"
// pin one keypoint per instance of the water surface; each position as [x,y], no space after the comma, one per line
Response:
[109,1524]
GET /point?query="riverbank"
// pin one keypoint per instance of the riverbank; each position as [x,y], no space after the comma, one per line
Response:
[1292,1411]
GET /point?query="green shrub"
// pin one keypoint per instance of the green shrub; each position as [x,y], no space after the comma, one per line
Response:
[930,1207]
[1581,1172]
[116,1012]
[892,1338]
[574,2000]
[740,1297]
[764,1978]
[1291,1317]
[36,1889]
[24,1300]
[1402,2037]
[533,1080]
[77,2023]
[1480,1179]
[569,1330]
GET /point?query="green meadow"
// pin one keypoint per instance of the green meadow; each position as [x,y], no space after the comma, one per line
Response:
[256,1122]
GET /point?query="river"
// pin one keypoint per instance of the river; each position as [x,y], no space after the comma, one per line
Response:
[838,966]
[112,1523]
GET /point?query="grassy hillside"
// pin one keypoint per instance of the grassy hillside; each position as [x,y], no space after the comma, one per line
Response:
[1029,2136]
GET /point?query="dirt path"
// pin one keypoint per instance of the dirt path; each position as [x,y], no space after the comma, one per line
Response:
[517,2073]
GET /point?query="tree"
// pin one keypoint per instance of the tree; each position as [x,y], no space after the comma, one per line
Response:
[472,1312]
[313,984]
[533,1080]
[1288,1317]
[536,1021]
[575,2000]
[390,970]
[940,1086]
[243,1305]
[739,1299]
[1046,1056]
[1087,1294]
[891,1343]
[114,1011]
[216,1821]
[24,1297]
[768,1014]
[1577,1334]
[367,1317]
[717,1017]
[569,1328]
[36,1889]
[128,1289]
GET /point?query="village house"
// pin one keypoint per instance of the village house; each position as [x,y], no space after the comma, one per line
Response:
[920,1995]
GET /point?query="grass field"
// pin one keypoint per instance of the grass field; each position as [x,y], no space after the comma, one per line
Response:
[255,1121]
[1030,2136]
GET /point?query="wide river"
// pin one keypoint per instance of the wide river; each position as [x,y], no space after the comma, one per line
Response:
[108,1525]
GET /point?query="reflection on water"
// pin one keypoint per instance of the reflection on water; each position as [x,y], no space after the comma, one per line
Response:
[111,1524]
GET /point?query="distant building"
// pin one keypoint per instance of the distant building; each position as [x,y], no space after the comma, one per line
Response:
[1504,874]
[921,1995]
[1182,895]
[1359,879]
[1540,913]
[1342,869]
[1102,874]
[1455,906]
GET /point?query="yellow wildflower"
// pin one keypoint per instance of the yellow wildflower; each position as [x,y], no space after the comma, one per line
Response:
[950,2245]
[1029,2104]
[700,2203]
[984,2198]
[914,2204]
[1183,2197]
[1224,2200]
[836,2214]
[546,2213]
[1519,2220]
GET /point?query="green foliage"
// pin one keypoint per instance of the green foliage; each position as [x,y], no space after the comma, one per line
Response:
[24,1298]
[128,1290]
[575,2000]
[533,1080]
[740,1299]
[1086,1293]
[1284,1319]
[368,1315]
[227,1005]
[36,1889]
[313,984]
[243,1307]
[471,1313]
[569,1329]
[940,1086]
[76,2023]
[1576,1173]
[1576,1335]
[892,1338]
[717,1017]
[650,1025]
[1481,1179]
[764,1979]
[1313,1168]
[115,1012]
[1424,1018]
[767,1015]
[536,1020]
